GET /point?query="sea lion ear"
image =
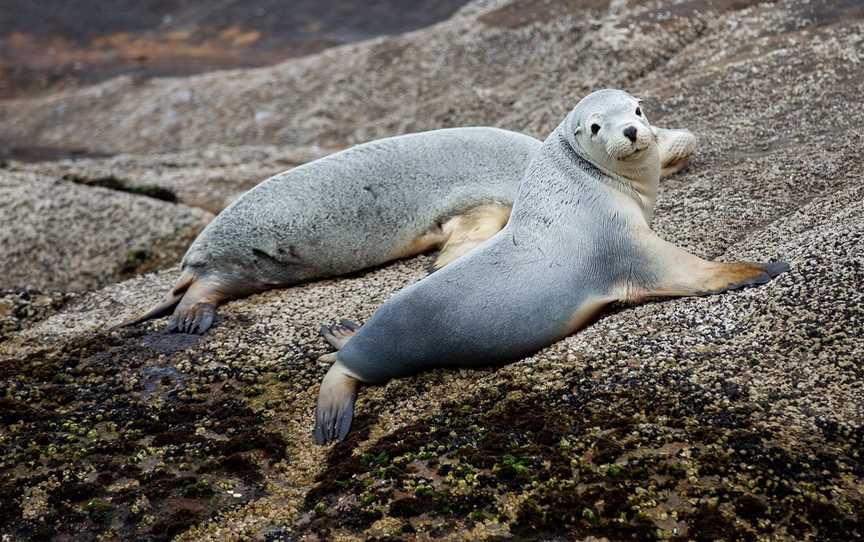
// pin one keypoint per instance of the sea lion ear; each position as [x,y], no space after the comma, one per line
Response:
[578,130]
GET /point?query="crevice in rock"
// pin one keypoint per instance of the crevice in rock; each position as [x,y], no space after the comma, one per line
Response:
[113,183]
[40,153]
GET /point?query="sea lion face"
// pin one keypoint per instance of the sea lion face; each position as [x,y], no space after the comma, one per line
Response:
[610,129]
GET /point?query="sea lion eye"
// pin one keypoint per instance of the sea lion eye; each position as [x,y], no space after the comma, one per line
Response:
[638,111]
[595,128]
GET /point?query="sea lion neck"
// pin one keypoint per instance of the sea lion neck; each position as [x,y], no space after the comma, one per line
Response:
[562,192]
[642,191]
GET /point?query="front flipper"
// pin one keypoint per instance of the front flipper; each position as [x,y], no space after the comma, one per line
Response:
[335,410]
[197,309]
[674,272]
[196,318]
[179,289]
[676,147]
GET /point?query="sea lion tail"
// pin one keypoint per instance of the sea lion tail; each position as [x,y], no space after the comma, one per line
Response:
[165,307]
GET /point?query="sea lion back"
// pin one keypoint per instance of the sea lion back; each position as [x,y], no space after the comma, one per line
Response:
[370,202]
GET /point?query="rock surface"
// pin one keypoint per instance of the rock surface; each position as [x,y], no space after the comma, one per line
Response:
[54,44]
[732,417]
[59,235]
[208,178]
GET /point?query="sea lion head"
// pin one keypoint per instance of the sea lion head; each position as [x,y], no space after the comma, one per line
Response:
[609,129]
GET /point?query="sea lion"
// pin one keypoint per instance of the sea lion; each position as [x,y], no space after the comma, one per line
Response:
[361,207]
[578,239]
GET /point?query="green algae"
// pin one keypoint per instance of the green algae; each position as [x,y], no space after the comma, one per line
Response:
[117,453]
[622,463]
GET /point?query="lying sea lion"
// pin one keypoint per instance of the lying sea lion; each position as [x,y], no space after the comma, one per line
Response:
[396,197]
[578,239]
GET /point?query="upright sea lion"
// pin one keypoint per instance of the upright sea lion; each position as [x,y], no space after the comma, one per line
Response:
[578,239]
[379,201]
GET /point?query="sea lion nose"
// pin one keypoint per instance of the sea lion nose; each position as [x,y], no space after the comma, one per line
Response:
[630,133]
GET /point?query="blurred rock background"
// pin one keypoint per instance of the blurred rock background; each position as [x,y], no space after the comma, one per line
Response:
[57,44]
[734,417]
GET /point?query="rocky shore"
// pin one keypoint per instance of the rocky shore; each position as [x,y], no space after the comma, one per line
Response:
[733,417]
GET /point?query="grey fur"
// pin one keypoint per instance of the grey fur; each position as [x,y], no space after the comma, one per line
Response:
[355,209]
[506,299]
[566,244]
[578,238]
[368,202]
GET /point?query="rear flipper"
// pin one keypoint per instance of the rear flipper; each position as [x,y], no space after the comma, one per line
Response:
[338,334]
[676,147]
[335,410]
